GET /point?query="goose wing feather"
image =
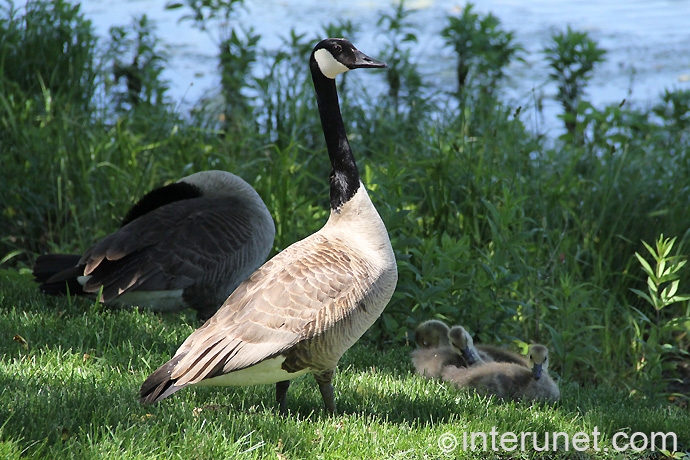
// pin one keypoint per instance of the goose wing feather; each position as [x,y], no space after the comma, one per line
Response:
[295,296]
[169,248]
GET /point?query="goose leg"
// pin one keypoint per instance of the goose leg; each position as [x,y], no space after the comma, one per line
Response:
[281,396]
[325,379]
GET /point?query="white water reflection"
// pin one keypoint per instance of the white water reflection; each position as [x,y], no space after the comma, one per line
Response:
[648,41]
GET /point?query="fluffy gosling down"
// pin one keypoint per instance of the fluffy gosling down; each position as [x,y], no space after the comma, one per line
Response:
[431,334]
[439,346]
[509,380]
[453,348]
[462,342]
[301,310]
[493,353]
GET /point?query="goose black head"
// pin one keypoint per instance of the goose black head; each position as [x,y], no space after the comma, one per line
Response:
[334,56]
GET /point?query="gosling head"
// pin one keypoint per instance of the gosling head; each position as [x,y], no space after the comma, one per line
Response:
[538,360]
[431,334]
[461,342]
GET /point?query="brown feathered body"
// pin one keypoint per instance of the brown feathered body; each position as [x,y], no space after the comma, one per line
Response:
[297,314]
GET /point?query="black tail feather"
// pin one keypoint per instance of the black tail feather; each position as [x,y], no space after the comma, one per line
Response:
[49,265]
[58,273]
[159,385]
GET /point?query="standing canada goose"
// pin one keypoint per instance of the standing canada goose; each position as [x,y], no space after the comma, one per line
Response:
[509,380]
[187,244]
[304,308]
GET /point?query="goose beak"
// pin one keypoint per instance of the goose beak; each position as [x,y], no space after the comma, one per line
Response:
[469,356]
[536,371]
[362,61]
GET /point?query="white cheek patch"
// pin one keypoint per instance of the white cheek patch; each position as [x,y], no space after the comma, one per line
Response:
[328,65]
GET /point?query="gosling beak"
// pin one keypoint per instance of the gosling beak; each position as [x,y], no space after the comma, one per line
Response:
[536,371]
[362,61]
[469,356]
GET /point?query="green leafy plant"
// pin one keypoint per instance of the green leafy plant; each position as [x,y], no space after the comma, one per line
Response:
[661,338]
[206,12]
[483,48]
[238,52]
[403,79]
[138,78]
[48,50]
[572,56]
[674,109]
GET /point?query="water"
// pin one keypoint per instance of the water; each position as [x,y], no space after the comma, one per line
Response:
[646,41]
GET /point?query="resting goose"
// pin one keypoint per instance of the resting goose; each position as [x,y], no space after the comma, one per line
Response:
[509,380]
[304,308]
[185,245]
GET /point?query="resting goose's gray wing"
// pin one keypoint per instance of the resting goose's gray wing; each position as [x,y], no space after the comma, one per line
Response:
[170,247]
[294,297]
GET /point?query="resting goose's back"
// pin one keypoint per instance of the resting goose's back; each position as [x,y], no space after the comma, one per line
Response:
[184,245]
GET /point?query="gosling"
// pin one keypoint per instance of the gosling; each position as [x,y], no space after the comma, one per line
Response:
[509,380]
[476,355]
[457,349]
[462,344]
[431,334]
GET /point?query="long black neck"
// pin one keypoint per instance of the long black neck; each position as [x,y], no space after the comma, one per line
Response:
[344,174]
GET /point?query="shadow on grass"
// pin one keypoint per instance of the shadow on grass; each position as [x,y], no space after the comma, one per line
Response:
[83,325]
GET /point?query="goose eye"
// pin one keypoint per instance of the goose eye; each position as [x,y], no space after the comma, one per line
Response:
[337,49]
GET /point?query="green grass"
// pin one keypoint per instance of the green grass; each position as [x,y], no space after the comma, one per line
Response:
[73,394]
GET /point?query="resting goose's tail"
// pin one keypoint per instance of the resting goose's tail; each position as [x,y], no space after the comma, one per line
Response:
[58,273]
